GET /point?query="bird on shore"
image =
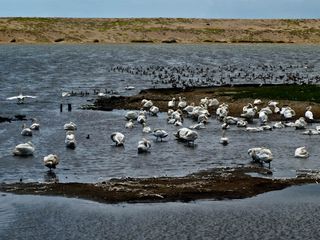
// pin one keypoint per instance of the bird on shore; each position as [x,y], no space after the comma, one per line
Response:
[118,138]
[51,161]
[24,149]
[308,114]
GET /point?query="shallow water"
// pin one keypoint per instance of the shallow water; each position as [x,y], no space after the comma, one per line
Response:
[292,213]
[46,70]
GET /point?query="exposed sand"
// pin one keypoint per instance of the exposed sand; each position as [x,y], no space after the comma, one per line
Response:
[158,30]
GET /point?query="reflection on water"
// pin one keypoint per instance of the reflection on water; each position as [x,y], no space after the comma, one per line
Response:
[292,213]
[47,70]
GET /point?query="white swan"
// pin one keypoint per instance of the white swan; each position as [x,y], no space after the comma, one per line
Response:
[260,155]
[300,123]
[186,135]
[147,104]
[182,102]
[24,149]
[141,118]
[257,102]
[242,123]
[20,98]
[71,126]
[143,146]
[70,140]
[51,161]
[301,152]
[311,132]
[263,117]
[35,125]
[224,140]
[308,114]
[154,110]
[160,133]
[172,103]
[146,129]
[130,124]
[131,115]
[118,138]
[278,125]
[198,126]
[26,131]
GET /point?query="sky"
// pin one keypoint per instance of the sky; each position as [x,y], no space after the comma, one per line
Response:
[161,8]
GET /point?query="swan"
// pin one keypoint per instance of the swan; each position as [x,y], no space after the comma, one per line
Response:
[146,129]
[159,133]
[254,129]
[26,131]
[263,117]
[311,132]
[172,103]
[260,155]
[70,140]
[24,149]
[198,126]
[182,102]
[224,140]
[308,114]
[118,138]
[141,118]
[51,161]
[287,112]
[300,123]
[129,88]
[186,135]
[131,115]
[154,110]
[301,152]
[144,145]
[213,102]
[204,101]
[147,104]
[35,125]
[70,126]
[242,123]
[20,98]
[130,124]
[257,102]
[248,112]
[278,125]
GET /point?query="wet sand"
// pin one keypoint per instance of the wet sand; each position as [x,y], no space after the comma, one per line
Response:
[217,184]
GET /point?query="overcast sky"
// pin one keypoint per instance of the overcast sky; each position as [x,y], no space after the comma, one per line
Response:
[162,8]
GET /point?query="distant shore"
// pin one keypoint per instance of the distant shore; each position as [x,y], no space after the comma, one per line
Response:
[158,30]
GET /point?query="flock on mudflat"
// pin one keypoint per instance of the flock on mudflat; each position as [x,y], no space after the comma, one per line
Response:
[178,110]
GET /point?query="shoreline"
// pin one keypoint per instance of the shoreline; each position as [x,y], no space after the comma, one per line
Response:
[216,184]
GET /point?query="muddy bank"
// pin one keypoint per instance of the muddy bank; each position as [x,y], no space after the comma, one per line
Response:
[296,96]
[216,184]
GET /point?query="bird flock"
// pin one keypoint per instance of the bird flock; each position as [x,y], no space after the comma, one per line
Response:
[178,110]
[185,76]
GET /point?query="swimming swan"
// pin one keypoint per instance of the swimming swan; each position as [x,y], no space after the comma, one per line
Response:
[159,133]
[143,146]
[186,135]
[301,152]
[118,138]
[70,140]
[24,149]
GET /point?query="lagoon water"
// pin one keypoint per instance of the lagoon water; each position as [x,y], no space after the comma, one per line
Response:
[47,70]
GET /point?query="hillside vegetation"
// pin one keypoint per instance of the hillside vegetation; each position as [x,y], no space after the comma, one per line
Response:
[158,30]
